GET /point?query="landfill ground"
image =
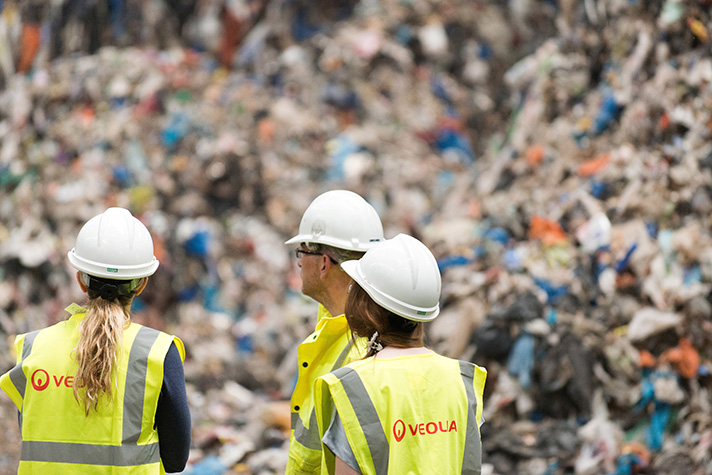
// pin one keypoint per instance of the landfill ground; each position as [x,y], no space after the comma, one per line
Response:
[555,155]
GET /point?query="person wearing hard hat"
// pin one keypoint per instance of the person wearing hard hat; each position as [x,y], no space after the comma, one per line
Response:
[338,226]
[97,393]
[403,408]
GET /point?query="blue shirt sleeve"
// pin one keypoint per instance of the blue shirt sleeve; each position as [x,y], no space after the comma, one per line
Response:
[173,415]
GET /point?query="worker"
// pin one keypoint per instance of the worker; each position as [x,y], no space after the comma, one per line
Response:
[403,408]
[97,393]
[338,226]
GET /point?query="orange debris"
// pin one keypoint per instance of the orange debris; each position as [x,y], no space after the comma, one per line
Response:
[593,166]
[534,155]
[685,357]
[647,360]
[546,230]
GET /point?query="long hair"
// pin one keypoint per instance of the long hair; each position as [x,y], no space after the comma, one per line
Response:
[365,317]
[97,352]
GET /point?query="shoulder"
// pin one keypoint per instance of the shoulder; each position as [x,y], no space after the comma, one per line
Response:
[357,365]
[147,337]
[350,370]
[466,369]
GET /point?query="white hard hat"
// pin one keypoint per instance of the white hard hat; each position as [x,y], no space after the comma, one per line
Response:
[342,219]
[115,245]
[401,275]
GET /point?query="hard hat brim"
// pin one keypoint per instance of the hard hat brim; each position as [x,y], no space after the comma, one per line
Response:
[333,242]
[98,269]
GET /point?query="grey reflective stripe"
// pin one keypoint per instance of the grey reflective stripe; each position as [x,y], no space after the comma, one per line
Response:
[17,375]
[135,388]
[308,437]
[342,357]
[90,454]
[472,458]
[367,417]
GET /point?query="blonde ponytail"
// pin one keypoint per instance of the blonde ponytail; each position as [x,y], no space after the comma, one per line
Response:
[98,349]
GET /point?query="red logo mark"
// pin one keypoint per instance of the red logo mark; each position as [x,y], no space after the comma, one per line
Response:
[399,430]
[37,380]
[41,380]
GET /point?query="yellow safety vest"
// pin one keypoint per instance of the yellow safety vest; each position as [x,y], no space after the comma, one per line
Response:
[328,348]
[406,415]
[57,437]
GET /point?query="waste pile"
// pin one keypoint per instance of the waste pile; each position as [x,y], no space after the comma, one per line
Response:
[555,156]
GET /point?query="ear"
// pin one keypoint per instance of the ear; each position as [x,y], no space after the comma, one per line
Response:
[325,265]
[141,286]
[82,285]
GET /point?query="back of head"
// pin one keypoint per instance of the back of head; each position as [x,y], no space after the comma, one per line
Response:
[114,255]
[402,276]
[341,219]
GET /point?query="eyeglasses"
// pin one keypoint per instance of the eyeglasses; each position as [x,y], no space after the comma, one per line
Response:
[299,252]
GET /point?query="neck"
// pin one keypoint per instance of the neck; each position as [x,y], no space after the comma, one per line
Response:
[335,308]
[334,298]
[391,351]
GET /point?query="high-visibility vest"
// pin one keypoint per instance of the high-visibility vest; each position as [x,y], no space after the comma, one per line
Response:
[57,436]
[414,414]
[328,348]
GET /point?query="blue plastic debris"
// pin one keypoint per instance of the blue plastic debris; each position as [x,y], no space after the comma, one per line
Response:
[521,359]
[598,188]
[121,176]
[450,140]
[692,276]
[499,235]
[622,263]
[452,261]
[658,421]
[198,245]
[210,465]
[608,112]
[553,292]
[176,130]
[626,462]
[339,149]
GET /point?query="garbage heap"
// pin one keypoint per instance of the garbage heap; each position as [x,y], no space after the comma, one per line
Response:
[555,156]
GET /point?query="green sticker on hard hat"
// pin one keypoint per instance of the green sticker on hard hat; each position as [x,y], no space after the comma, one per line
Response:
[111,269]
[421,313]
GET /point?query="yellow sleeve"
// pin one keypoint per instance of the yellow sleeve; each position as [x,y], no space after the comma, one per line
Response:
[180,346]
[6,383]
[479,382]
[324,409]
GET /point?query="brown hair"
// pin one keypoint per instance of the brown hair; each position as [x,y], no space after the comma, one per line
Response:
[97,352]
[365,317]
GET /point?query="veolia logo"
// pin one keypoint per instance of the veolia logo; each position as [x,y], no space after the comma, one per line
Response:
[40,380]
[399,430]
[422,428]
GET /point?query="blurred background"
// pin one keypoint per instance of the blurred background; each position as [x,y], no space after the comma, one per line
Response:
[555,155]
